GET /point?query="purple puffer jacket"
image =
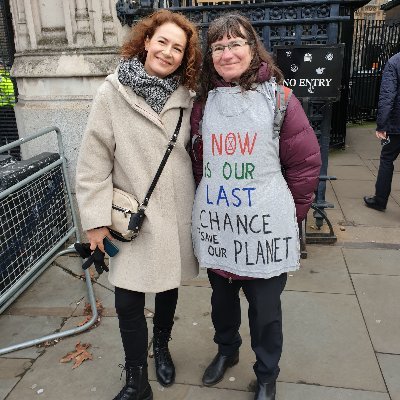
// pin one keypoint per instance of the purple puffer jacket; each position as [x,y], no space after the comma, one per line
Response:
[299,153]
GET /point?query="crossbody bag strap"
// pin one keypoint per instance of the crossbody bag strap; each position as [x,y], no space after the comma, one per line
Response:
[171,145]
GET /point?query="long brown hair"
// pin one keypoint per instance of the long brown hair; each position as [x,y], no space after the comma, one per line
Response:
[230,25]
[134,46]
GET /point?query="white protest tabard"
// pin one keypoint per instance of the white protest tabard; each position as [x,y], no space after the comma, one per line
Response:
[244,216]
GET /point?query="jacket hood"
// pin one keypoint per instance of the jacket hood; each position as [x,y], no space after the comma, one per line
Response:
[264,74]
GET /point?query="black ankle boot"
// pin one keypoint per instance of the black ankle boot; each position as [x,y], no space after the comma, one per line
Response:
[165,368]
[372,202]
[214,373]
[265,391]
[137,385]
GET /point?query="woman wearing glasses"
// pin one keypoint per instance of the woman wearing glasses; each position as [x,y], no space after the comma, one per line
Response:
[257,183]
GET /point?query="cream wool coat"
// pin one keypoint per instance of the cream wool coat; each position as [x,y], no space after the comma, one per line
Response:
[122,147]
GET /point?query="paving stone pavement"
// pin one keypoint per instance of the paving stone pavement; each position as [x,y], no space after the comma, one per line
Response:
[341,314]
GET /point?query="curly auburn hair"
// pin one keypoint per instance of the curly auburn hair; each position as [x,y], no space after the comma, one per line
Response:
[236,25]
[134,46]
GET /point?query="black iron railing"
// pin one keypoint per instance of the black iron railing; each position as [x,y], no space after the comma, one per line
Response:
[277,23]
[374,43]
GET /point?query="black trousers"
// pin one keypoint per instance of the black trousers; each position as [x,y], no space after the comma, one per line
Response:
[383,185]
[265,319]
[132,322]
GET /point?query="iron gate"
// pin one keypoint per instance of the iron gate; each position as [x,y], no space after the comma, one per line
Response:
[374,43]
[282,23]
[8,92]
[293,22]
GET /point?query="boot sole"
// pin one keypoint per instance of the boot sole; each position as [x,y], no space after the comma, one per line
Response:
[373,205]
[377,208]
[164,385]
[219,380]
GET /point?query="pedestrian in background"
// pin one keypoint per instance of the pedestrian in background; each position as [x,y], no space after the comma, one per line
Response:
[132,119]
[388,131]
[246,211]
[7,94]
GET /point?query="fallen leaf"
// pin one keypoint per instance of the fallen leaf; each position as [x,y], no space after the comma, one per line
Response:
[72,354]
[88,312]
[88,308]
[85,355]
[80,355]
[48,343]
[87,319]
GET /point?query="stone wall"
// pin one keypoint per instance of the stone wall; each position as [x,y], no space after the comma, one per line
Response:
[64,49]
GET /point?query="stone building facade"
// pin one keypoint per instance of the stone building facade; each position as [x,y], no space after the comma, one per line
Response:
[371,11]
[64,49]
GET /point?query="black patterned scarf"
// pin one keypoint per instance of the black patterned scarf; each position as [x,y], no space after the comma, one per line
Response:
[154,90]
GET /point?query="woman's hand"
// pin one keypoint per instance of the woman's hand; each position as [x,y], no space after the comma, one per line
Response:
[96,237]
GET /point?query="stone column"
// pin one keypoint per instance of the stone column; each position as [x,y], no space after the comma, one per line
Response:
[110,37]
[83,34]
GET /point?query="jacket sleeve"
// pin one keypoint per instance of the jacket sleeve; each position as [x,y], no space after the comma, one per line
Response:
[94,167]
[196,149]
[387,96]
[300,157]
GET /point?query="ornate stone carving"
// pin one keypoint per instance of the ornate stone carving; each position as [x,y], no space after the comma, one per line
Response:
[63,24]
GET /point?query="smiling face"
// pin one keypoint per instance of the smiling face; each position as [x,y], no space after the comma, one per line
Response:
[165,50]
[232,63]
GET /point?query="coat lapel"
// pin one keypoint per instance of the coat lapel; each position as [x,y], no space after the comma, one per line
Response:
[181,97]
[135,101]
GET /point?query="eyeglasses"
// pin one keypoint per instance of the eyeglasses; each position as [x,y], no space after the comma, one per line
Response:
[234,47]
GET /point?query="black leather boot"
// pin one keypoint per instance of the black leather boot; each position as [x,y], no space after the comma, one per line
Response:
[165,368]
[214,373]
[265,391]
[137,385]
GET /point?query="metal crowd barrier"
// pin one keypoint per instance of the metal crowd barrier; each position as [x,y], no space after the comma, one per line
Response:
[37,218]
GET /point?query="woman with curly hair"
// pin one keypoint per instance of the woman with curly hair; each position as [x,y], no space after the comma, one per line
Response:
[133,116]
